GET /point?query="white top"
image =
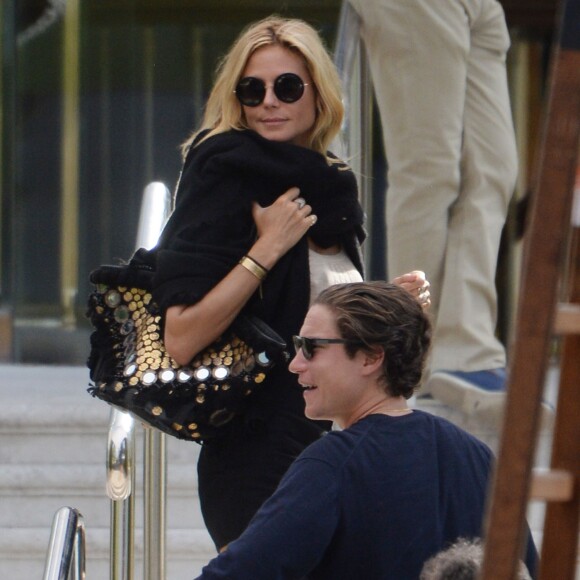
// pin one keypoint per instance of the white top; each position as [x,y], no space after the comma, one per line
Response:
[329,269]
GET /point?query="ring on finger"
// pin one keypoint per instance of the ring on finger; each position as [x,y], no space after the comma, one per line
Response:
[300,201]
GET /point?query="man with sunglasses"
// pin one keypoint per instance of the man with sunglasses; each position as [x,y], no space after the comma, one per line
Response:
[395,485]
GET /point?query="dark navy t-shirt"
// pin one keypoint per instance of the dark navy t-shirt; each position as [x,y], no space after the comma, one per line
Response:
[371,502]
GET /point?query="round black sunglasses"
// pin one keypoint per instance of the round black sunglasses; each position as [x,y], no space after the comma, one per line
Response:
[308,345]
[288,88]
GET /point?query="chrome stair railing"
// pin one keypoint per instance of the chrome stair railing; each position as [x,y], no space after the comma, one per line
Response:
[66,549]
[155,209]
[120,488]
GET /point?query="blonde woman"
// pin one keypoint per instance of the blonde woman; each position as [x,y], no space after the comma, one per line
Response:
[264,219]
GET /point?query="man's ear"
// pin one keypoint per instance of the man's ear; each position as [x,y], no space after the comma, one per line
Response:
[373,360]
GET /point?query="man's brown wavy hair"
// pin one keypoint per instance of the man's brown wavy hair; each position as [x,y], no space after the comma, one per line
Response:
[380,315]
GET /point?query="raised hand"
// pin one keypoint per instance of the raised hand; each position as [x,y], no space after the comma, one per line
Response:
[416,283]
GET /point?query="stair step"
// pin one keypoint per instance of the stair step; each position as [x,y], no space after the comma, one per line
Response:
[46,412]
[81,447]
[32,493]
[53,439]
[49,478]
[23,552]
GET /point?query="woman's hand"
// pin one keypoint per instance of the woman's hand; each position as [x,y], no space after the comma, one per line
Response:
[416,283]
[190,328]
[280,226]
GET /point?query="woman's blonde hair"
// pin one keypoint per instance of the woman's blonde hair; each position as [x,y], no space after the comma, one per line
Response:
[224,112]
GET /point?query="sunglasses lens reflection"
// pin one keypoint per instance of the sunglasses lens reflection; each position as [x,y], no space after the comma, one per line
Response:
[251,91]
[304,344]
[289,88]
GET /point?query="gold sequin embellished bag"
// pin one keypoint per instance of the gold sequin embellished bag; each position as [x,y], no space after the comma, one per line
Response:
[131,369]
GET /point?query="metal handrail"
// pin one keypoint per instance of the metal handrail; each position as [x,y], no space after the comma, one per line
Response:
[154,496]
[155,209]
[120,489]
[346,53]
[355,145]
[120,453]
[66,549]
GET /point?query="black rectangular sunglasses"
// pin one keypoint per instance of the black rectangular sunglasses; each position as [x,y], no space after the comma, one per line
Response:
[288,88]
[309,344]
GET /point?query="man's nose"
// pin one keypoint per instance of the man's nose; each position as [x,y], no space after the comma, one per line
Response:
[298,363]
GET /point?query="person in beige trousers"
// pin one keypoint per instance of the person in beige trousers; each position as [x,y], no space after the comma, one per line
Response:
[439,72]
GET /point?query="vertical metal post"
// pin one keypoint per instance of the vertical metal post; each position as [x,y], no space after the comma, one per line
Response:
[154,496]
[79,553]
[366,147]
[148,89]
[155,209]
[121,490]
[352,64]
[70,162]
[66,548]
[122,549]
[8,126]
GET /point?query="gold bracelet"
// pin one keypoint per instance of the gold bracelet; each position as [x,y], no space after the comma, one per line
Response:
[259,271]
[266,271]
